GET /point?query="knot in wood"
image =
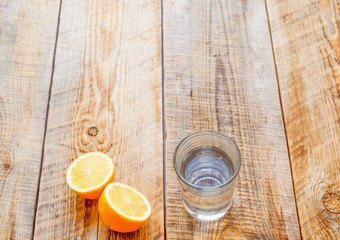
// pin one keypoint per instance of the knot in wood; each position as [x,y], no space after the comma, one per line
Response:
[331,201]
[7,161]
[7,166]
[92,131]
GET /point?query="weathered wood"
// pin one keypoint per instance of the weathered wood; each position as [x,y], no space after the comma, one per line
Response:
[306,41]
[27,40]
[220,74]
[106,96]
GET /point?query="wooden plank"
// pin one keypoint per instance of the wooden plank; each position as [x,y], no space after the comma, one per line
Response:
[106,96]
[306,41]
[27,40]
[220,74]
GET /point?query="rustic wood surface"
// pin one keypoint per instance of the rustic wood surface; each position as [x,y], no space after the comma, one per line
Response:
[80,76]
[220,74]
[306,42]
[106,96]
[27,39]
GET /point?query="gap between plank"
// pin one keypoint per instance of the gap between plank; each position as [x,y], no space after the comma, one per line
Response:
[282,114]
[163,124]
[46,120]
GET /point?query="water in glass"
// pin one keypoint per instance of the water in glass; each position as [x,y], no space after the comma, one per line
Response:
[207,167]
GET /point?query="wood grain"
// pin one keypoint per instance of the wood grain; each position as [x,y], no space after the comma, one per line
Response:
[27,40]
[220,74]
[106,96]
[306,40]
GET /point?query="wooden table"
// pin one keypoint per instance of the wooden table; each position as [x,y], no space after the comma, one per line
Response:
[132,78]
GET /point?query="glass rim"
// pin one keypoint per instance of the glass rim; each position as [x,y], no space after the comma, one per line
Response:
[205,188]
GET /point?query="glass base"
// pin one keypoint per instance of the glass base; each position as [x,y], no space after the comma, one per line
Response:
[206,215]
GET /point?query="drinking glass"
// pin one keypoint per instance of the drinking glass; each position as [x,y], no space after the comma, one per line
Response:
[207,164]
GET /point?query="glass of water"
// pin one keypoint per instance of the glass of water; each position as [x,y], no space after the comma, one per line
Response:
[207,164]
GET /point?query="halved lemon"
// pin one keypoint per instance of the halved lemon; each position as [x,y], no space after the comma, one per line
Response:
[89,174]
[123,208]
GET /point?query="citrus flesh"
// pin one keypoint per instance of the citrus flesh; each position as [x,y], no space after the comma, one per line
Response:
[123,208]
[89,174]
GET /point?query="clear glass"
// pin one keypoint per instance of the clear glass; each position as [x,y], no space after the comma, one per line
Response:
[207,164]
